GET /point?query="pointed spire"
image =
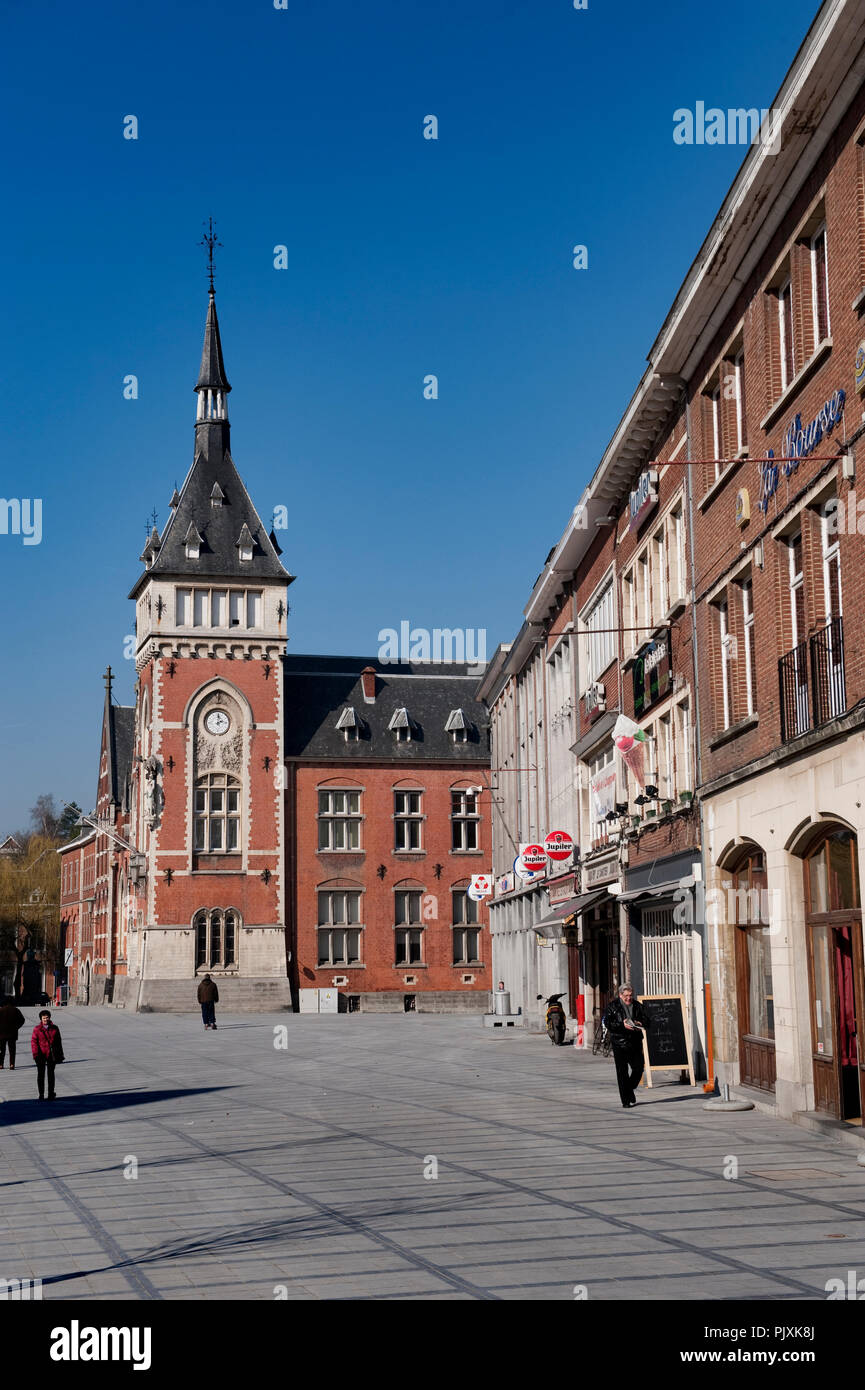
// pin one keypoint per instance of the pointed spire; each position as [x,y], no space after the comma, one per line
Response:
[175,500]
[212,372]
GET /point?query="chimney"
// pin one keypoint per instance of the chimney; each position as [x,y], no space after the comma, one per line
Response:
[367,678]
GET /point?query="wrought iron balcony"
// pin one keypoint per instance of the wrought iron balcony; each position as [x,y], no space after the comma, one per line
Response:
[811,676]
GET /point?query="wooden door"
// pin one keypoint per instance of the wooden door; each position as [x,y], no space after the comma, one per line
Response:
[824,1019]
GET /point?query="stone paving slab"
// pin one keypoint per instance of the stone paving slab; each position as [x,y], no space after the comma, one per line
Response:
[304,1168]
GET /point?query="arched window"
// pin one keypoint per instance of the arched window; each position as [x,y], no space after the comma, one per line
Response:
[217,814]
[216,939]
[466,927]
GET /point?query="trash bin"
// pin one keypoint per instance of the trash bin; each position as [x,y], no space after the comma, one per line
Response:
[502,1001]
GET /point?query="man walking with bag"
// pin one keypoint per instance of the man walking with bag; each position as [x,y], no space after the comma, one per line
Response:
[208,998]
[626,1021]
[47,1049]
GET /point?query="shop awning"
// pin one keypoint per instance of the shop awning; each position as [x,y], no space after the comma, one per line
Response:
[551,925]
[657,890]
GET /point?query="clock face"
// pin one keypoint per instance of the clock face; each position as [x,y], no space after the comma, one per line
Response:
[217,722]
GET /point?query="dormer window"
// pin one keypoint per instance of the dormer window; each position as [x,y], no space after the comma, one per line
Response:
[400,725]
[457,726]
[349,724]
[217,496]
[192,542]
[245,543]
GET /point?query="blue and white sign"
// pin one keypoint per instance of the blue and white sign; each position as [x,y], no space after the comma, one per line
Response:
[799,442]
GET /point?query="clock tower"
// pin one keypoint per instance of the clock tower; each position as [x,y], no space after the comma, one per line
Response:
[207,892]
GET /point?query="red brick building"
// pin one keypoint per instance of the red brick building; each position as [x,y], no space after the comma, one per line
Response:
[204,854]
[385,766]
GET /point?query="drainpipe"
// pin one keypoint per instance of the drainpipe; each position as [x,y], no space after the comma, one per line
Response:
[707,985]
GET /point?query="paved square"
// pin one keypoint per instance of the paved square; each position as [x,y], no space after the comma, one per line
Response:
[306,1172]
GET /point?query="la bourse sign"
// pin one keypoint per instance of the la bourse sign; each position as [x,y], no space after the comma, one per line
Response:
[799,441]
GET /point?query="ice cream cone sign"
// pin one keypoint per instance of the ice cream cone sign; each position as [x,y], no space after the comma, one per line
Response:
[630,741]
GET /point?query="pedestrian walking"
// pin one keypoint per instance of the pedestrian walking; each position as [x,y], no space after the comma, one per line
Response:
[208,998]
[47,1048]
[11,1019]
[626,1022]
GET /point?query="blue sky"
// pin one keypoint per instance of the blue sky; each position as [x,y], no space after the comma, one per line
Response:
[407,256]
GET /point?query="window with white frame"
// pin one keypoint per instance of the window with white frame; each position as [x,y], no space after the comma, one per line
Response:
[339,930]
[726,650]
[599,623]
[466,930]
[684,769]
[655,579]
[465,820]
[785,333]
[739,380]
[218,608]
[717,439]
[217,814]
[750,645]
[820,285]
[339,820]
[408,819]
[601,797]
[408,930]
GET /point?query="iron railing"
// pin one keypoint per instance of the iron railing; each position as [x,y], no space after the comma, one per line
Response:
[811,677]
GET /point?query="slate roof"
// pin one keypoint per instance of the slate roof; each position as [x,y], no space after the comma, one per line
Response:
[219,526]
[318,688]
[120,743]
[212,372]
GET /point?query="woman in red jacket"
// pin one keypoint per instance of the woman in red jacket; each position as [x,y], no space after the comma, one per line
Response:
[47,1049]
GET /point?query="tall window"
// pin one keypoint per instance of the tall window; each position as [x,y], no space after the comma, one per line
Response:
[820,285]
[218,608]
[678,572]
[602,639]
[750,645]
[217,814]
[338,820]
[407,820]
[408,931]
[464,820]
[726,654]
[741,425]
[602,793]
[757,1000]
[659,574]
[716,431]
[339,932]
[785,330]
[215,939]
[466,932]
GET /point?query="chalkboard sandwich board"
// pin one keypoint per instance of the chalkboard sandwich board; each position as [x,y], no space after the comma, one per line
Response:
[665,1045]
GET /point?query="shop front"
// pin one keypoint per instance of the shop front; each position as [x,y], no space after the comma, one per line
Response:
[663,901]
[784,927]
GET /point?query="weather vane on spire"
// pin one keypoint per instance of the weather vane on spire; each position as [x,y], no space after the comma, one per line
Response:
[209,240]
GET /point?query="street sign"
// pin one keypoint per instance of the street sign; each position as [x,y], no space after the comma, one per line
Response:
[525,874]
[558,845]
[67,956]
[480,887]
[533,856]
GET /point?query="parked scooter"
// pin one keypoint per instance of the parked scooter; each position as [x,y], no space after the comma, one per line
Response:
[555,1019]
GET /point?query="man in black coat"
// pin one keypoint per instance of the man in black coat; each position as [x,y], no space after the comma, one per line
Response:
[208,998]
[11,1019]
[626,1021]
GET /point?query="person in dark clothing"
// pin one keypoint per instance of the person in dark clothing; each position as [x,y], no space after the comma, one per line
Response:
[11,1019]
[626,1021]
[47,1049]
[208,998]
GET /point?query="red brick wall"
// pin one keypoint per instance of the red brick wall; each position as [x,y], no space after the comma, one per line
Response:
[719,542]
[314,869]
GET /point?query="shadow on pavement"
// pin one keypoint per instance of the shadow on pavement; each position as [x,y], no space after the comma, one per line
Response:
[20,1111]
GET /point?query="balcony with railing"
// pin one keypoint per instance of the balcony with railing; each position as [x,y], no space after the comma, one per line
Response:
[811,677]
